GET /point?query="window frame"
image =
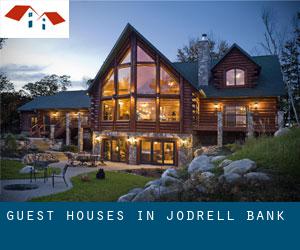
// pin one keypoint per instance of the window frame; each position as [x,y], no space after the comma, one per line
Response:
[234,77]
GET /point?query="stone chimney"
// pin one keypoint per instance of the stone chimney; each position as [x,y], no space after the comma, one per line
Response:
[204,61]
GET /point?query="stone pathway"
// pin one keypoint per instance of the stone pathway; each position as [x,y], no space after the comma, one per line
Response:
[45,189]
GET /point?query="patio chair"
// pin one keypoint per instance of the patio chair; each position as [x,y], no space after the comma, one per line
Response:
[62,175]
[39,167]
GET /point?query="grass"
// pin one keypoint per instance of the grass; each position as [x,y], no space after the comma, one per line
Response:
[111,188]
[280,154]
[10,170]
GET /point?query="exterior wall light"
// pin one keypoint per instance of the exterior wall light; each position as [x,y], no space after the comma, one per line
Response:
[132,140]
[184,142]
[255,105]
[216,106]
[98,139]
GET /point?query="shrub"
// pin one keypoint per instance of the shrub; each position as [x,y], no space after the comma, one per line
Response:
[10,145]
[69,148]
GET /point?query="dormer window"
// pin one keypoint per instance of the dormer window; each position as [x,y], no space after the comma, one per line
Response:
[235,77]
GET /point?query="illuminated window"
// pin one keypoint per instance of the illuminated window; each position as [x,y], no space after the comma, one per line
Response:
[142,56]
[123,109]
[169,110]
[235,77]
[146,109]
[109,86]
[146,79]
[124,80]
[168,84]
[235,116]
[107,110]
[126,58]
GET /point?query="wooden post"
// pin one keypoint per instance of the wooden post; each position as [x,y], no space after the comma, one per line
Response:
[250,127]
[220,129]
[67,129]
[80,134]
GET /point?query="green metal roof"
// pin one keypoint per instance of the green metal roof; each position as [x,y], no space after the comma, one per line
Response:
[269,83]
[62,100]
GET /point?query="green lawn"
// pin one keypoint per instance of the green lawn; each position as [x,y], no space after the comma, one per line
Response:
[281,154]
[10,170]
[110,189]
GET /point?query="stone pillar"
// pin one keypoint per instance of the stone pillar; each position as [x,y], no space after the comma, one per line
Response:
[132,154]
[250,127]
[67,129]
[280,119]
[80,134]
[52,132]
[220,129]
[96,144]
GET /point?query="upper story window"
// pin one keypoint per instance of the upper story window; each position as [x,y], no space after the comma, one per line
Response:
[168,83]
[143,56]
[235,77]
[124,80]
[30,14]
[109,86]
[146,79]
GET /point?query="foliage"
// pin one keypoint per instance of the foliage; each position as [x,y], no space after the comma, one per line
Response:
[189,53]
[69,148]
[48,85]
[2,41]
[233,147]
[10,170]
[5,84]
[111,188]
[10,143]
[280,154]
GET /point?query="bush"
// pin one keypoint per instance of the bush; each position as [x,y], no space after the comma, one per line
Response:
[10,145]
[69,148]
[280,154]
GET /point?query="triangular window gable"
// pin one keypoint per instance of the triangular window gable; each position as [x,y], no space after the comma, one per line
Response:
[108,87]
[143,56]
[127,57]
[168,82]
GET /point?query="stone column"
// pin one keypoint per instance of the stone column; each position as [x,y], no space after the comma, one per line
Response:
[52,132]
[280,119]
[80,134]
[250,127]
[132,154]
[67,129]
[220,129]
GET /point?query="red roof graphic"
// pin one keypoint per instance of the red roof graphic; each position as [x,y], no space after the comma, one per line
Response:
[54,17]
[18,11]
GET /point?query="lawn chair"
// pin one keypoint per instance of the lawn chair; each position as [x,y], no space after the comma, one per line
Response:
[62,175]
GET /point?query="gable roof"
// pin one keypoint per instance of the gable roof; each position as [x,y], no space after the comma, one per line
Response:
[54,17]
[270,82]
[18,11]
[128,30]
[62,100]
[234,46]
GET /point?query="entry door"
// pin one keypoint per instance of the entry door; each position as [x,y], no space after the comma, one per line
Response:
[114,150]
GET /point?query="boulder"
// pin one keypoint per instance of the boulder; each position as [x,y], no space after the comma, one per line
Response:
[170,193]
[200,164]
[150,193]
[240,167]
[127,197]
[230,178]
[281,131]
[218,158]
[224,163]
[156,182]
[135,190]
[198,152]
[170,172]
[170,181]
[257,176]
[26,170]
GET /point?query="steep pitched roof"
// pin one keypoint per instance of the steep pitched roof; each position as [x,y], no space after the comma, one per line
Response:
[62,100]
[18,11]
[128,30]
[54,17]
[269,83]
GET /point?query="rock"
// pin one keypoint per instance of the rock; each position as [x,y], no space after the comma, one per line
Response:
[257,176]
[170,181]
[188,184]
[240,167]
[170,172]
[170,193]
[218,158]
[212,150]
[230,178]
[200,164]
[281,131]
[127,197]
[198,152]
[135,190]
[156,182]
[26,170]
[224,163]
[150,193]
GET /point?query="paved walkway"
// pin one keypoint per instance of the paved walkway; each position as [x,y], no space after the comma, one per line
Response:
[45,189]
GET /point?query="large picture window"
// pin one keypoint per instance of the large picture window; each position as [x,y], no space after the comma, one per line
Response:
[235,116]
[146,109]
[123,109]
[142,56]
[169,110]
[168,83]
[108,87]
[235,77]
[123,81]
[107,110]
[146,79]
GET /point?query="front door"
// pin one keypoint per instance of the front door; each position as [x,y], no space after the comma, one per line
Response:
[157,152]
[114,149]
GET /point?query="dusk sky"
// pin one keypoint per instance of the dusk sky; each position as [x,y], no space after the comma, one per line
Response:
[95,27]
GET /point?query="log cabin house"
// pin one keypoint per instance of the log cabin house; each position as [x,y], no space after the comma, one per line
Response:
[143,109]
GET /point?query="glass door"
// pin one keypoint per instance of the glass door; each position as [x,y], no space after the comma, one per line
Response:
[114,150]
[146,151]
[106,150]
[157,153]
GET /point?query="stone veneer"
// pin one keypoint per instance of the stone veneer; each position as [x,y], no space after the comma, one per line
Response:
[184,147]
